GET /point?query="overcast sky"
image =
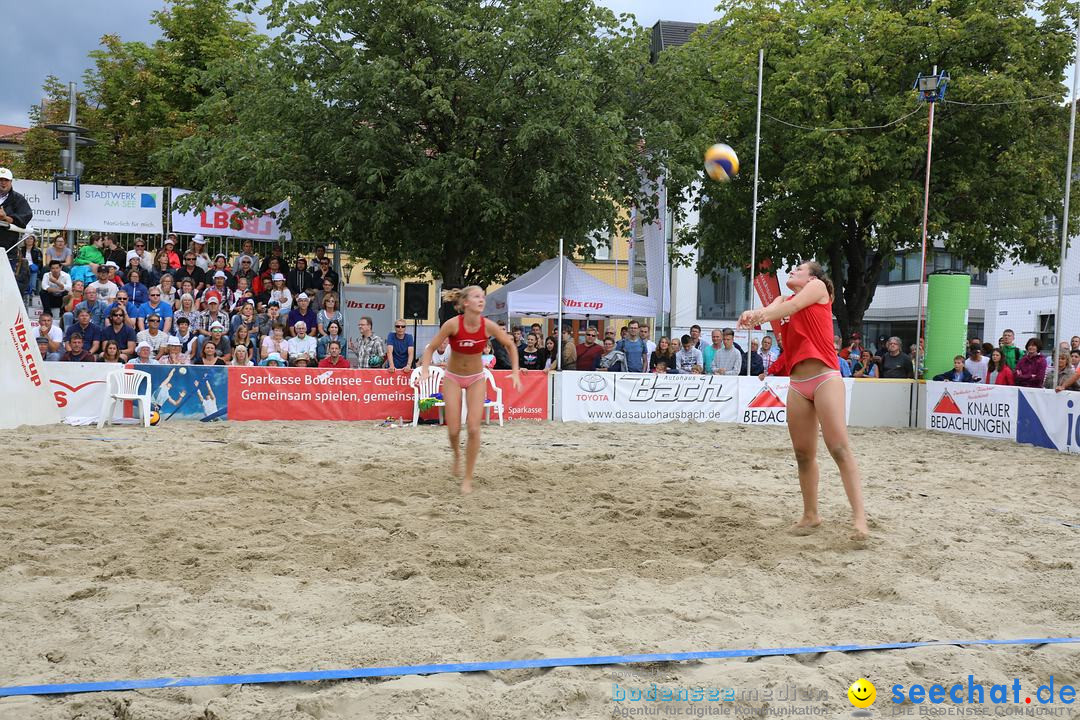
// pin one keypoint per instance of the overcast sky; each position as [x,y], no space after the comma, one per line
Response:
[46,37]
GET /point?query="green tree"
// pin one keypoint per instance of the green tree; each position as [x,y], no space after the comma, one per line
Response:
[454,137]
[853,199]
[143,96]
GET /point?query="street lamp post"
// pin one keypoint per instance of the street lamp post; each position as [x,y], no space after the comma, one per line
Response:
[67,182]
[931,88]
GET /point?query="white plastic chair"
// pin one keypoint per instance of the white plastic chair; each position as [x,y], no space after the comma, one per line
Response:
[125,385]
[426,389]
[497,403]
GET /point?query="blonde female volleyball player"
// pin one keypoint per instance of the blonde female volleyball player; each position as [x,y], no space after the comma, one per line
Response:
[468,335]
[804,323]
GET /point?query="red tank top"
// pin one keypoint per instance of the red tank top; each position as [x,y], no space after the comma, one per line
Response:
[806,335]
[468,343]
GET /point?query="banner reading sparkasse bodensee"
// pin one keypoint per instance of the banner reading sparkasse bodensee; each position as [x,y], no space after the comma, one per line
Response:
[259,393]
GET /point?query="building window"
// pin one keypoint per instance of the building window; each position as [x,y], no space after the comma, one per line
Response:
[905,268]
[724,298]
[1047,332]
[601,247]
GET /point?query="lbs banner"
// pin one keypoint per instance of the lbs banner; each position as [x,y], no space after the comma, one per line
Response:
[967,409]
[1048,419]
[602,397]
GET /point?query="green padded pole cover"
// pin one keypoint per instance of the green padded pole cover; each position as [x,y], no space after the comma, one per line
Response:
[947,298]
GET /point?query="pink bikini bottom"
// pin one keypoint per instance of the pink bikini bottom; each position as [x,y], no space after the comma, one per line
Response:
[464,381]
[809,386]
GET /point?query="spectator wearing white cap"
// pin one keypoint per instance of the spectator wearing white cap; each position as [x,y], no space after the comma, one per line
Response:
[219,281]
[281,293]
[301,345]
[14,209]
[146,260]
[198,248]
[168,247]
[264,281]
[247,250]
[143,355]
[304,311]
[114,273]
[174,353]
[221,262]
[222,345]
[213,314]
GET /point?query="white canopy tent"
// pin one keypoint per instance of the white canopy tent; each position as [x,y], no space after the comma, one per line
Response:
[537,292]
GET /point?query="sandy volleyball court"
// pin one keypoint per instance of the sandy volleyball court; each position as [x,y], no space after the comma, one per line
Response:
[205,549]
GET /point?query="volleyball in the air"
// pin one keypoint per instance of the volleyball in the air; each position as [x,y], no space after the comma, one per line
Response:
[155,418]
[721,162]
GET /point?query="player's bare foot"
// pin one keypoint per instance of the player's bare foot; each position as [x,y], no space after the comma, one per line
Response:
[466,486]
[806,525]
[860,530]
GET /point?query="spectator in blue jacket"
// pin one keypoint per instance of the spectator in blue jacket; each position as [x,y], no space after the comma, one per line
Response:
[959,373]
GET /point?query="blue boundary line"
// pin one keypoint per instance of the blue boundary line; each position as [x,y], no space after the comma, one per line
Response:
[399,670]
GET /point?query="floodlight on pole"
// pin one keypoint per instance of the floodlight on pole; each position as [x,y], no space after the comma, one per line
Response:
[931,88]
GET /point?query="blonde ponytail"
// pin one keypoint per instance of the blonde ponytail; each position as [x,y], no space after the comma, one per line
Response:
[457,296]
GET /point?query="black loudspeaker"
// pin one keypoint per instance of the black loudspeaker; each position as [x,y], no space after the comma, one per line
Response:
[416,301]
[447,311]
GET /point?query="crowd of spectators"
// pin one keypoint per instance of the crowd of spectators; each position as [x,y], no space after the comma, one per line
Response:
[103,303]
[1006,364]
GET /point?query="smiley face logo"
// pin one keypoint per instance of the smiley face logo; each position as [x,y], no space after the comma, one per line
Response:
[862,693]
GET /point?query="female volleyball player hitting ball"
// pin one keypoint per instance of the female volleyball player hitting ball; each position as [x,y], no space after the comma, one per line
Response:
[468,334]
[816,393]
